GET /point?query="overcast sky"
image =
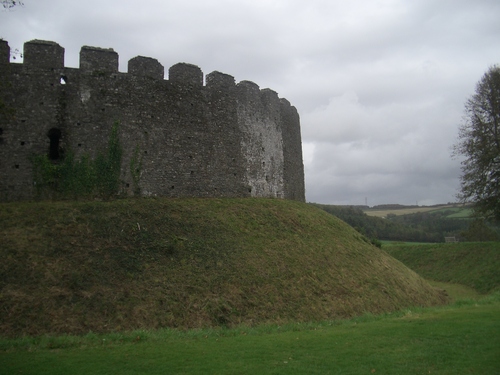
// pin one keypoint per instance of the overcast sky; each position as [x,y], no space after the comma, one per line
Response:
[380,85]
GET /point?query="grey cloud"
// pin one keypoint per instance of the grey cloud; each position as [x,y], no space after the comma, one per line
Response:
[379,85]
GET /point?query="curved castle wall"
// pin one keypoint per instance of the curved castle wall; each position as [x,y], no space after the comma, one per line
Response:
[220,139]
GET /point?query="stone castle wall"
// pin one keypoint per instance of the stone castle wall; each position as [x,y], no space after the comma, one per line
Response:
[220,139]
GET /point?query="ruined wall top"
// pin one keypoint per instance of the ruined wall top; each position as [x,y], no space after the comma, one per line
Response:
[98,59]
[45,56]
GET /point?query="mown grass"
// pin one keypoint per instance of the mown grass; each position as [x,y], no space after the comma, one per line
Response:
[473,264]
[75,267]
[459,339]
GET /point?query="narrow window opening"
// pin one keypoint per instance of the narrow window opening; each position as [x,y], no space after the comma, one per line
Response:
[54,148]
[22,143]
[16,166]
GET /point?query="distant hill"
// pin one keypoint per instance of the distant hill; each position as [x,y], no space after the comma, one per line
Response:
[392,207]
[385,210]
[413,224]
[75,267]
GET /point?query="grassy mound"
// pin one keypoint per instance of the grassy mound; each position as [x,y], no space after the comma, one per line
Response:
[474,264]
[75,267]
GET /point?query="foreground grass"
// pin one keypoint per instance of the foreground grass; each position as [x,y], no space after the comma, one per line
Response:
[459,339]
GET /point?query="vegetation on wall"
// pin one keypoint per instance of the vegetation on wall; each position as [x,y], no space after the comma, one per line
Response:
[72,178]
[135,170]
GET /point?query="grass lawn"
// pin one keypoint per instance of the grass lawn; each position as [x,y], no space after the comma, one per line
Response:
[472,264]
[459,339]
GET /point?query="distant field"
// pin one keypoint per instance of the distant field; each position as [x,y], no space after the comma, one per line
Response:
[456,211]
[461,213]
[385,244]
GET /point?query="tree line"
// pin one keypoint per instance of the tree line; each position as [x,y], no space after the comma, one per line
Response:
[416,227]
[479,145]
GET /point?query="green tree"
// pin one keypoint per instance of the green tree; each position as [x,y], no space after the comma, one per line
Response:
[479,143]
[480,231]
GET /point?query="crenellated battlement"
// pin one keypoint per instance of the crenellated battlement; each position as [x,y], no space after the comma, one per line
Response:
[49,56]
[4,52]
[146,67]
[220,138]
[220,80]
[98,59]
[42,55]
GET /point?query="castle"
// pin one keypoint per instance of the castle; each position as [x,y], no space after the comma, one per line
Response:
[220,139]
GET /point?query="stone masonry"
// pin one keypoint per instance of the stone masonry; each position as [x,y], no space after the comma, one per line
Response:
[218,139]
